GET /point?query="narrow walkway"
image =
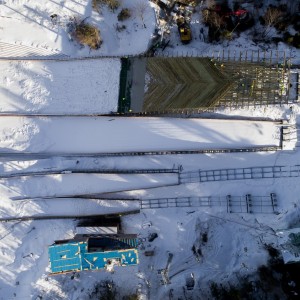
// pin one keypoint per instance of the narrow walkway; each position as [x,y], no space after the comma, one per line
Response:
[138,84]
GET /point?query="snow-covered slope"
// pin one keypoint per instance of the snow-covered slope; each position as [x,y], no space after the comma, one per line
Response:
[79,135]
[66,87]
[234,245]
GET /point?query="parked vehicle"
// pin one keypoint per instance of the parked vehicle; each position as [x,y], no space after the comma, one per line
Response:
[185,32]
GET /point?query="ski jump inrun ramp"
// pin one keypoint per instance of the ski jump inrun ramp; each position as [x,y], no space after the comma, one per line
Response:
[104,135]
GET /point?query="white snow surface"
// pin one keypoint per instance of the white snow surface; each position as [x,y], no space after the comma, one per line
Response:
[28,23]
[178,229]
[25,264]
[80,184]
[98,135]
[65,87]
[235,241]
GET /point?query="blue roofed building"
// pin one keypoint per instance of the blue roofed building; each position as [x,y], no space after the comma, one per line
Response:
[93,252]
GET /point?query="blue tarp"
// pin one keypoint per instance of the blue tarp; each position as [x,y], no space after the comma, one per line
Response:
[75,257]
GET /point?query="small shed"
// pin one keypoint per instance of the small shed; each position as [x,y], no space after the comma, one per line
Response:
[93,252]
[102,225]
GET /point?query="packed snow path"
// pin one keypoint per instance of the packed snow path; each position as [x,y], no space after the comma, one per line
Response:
[92,135]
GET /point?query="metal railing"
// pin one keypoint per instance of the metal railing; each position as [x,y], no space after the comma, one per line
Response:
[240,174]
[229,203]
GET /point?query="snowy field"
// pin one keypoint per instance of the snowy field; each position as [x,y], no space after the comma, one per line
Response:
[27,25]
[25,264]
[68,87]
[77,135]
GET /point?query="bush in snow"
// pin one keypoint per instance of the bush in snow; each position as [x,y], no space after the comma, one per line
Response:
[87,34]
[112,4]
[124,14]
[210,4]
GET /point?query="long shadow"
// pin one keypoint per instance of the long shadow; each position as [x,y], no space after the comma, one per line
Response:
[44,88]
[44,17]
[72,135]
[208,133]
[30,74]
[67,185]
[64,5]
[26,17]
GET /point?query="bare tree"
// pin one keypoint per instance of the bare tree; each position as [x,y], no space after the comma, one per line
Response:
[272,15]
[210,4]
[141,8]
[112,4]
[271,18]
[213,19]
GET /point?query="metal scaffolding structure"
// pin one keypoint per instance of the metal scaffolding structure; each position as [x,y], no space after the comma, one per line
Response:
[240,174]
[229,203]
